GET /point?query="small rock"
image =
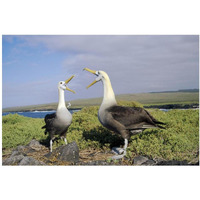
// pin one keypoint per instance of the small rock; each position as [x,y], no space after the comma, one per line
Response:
[97,162]
[69,152]
[20,148]
[173,162]
[48,155]
[158,160]
[12,160]
[34,144]
[16,153]
[30,161]
[149,162]
[139,160]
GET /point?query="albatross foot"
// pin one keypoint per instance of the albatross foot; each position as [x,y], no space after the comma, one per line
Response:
[120,153]
[117,157]
[117,150]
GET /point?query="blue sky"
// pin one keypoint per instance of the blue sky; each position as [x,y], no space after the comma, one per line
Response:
[33,65]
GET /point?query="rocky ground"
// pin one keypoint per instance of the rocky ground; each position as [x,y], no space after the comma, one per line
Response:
[37,154]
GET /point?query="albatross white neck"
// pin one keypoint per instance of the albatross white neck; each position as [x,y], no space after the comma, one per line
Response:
[109,96]
[61,103]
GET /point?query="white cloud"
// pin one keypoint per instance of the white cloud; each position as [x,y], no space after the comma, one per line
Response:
[134,63]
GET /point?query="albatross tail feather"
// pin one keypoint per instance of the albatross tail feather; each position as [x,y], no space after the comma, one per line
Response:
[161,126]
[156,121]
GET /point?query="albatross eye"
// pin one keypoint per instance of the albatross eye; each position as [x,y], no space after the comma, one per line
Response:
[60,82]
[97,73]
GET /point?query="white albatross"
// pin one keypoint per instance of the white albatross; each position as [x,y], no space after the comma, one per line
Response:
[58,123]
[120,119]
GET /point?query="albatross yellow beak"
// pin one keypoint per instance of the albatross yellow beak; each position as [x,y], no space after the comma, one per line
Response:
[70,90]
[89,70]
[67,81]
[93,72]
[91,84]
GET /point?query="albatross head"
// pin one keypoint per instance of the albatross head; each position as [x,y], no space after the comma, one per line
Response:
[101,76]
[63,85]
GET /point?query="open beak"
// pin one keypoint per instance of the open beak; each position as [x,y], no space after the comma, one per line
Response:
[89,70]
[91,84]
[67,81]
[93,72]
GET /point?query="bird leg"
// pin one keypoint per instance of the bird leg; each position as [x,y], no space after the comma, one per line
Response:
[65,140]
[51,143]
[121,152]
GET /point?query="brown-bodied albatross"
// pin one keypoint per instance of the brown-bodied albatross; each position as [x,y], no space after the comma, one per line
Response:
[120,119]
[58,123]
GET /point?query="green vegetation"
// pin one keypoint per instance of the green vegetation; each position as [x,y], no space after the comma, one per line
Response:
[144,98]
[180,140]
[19,130]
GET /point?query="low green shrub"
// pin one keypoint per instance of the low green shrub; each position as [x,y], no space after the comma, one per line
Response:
[20,130]
[129,103]
[179,141]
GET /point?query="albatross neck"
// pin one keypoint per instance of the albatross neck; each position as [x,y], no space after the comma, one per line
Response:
[109,96]
[61,103]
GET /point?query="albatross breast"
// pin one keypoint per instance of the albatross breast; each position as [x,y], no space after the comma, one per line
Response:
[58,122]
[64,117]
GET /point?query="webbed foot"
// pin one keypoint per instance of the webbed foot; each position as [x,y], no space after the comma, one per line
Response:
[117,150]
[120,152]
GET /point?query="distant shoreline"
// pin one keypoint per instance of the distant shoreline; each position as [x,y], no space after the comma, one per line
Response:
[174,99]
[39,110]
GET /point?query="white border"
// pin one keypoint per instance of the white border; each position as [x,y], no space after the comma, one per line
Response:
[99,17]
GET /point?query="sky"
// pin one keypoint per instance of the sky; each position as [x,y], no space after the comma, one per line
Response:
[32,65]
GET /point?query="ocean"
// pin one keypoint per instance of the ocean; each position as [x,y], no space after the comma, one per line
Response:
[36,114]
[42,114]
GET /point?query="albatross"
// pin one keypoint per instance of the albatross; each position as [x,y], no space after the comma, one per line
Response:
[58,123]
[125,121]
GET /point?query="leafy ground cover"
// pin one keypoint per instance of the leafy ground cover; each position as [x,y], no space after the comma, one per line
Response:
[179,141]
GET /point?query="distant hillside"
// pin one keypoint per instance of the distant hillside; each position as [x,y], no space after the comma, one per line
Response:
[185,90]
[178,97]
